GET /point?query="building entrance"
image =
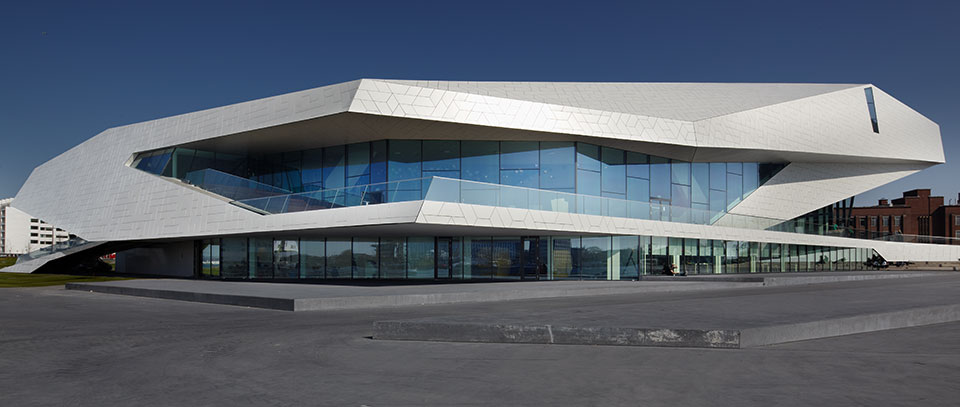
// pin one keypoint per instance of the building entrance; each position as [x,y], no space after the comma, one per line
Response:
[444,258]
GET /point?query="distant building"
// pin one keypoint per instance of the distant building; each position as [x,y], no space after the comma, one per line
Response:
[20,233]
[915,213]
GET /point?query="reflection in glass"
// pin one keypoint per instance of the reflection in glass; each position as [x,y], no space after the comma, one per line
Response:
[557,170]
[393,257]
[420,257]
[365,261]
[234,257]
[659,178]
[614,173]
[566,258]
[339,258]
[312,258]
[506,258]
[286,258]
[477,258]
[594,256]
[261,252]
[481,161]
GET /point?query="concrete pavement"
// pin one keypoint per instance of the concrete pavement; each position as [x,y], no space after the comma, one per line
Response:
[69,348]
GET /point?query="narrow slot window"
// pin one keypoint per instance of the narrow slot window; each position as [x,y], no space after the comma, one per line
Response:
[873,109]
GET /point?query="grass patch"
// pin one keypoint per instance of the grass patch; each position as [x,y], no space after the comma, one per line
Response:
[7,261]
[42,280]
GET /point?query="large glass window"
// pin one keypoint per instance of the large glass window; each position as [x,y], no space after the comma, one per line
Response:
[613,170]
[393,257]
[358,164]
[312,172]
[477,258]
[420,257]
[334,167]
[404,164]
[545,257]
[441,158]
[481,161]
[660,178]
[657,261]
[312,258]
[626,256]
[700,183]
[506,258]
[595,252]
[366,263]
[261,253]
[557,169]
[654,184]
[286,258]
[233,252]
[566,258]
[751,178]
[734,190]
[339,258]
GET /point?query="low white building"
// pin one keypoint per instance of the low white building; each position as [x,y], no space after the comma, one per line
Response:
[21,233]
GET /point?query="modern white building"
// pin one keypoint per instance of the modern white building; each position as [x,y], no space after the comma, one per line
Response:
[396,179]
[21,233]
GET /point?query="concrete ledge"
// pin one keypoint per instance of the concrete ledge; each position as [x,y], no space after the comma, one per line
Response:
[325,297]
[299,297]
[452,331]
[770,335]
[284,304]
[548,334]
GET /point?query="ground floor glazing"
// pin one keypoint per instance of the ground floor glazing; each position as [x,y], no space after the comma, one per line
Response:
[506,258]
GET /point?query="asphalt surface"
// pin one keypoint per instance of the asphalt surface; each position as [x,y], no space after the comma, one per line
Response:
[70,348]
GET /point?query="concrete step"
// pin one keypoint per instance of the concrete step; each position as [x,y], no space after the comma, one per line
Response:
[744,318]
[664,337]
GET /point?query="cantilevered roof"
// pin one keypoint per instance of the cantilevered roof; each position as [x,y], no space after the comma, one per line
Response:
[679,101]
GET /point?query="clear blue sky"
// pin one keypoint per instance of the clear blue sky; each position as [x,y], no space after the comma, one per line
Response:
[71,70]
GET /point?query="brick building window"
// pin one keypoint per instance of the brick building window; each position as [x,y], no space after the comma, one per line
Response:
[873,221]
[886,221]
[863,222]
[896,222]
[956,220]
[957,233]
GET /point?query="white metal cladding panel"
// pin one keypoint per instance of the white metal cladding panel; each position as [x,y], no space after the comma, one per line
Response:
[109,201]
[679,101]
[555,223]
[836,123]
[394,99]
[802,187]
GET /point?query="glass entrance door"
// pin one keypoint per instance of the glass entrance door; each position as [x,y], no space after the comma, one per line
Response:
[533,266]
[444,260]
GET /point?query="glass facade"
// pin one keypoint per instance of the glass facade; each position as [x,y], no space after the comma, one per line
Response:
[384,171]
[507,258]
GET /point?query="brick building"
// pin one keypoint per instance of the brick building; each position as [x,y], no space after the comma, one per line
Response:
[915,213]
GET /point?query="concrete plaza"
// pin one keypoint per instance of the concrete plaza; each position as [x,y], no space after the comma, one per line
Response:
[76,348]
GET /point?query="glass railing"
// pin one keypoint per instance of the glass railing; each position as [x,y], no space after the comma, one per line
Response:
[442,189]
[370,194]
[480,193]
[231,186]
[58,247]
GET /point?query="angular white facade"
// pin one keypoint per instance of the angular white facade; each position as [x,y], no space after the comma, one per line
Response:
[820,137]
